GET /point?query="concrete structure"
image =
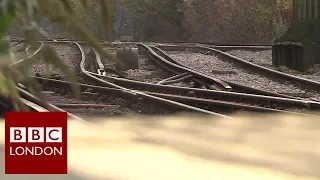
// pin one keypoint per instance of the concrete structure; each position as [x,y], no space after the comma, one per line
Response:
[299,47]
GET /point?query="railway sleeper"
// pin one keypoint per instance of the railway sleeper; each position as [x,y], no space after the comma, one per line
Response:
[221,100]
[219,95]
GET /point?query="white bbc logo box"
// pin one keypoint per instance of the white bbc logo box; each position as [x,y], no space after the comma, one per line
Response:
[35,134]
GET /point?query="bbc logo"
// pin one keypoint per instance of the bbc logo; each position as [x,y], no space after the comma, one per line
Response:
[35,134]
[37,137]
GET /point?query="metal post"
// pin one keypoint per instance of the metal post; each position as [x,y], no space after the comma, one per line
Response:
[120,22]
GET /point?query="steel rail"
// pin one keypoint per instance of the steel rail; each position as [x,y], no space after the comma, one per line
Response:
[236,87]
[26,95]
[16,44]
[307,83]
[214,94]
[263,100]
[55,41]
[99,64]
[63,105]
[222,104]
[140,94]
[221,47]
[199,99]
[30,100]
[159,42]
[192,101]
[173,77]
[175,80]
[290,77]
[248,48]
[224,47]
[20,62]
[177,69]
[34,106]
[312,104]
[27,101]
[212,43]
[178,80]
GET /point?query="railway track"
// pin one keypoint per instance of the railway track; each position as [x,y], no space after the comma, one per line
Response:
[36,102]
[146,101]
[278,79]
[217,95]
[208,104]
[137,94]
[203,100]
[94,103]
[247,48]
[268,101]
[215,105]
[264,58]
[310,84]
[6,105]
[29,54]
[26,98]
[111,103]
[163,57]
[57,39]
[201,78]
[30,101]
[221,46]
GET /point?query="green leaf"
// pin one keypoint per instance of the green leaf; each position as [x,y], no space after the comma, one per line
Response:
[5,21]
[4,90]
[13,91]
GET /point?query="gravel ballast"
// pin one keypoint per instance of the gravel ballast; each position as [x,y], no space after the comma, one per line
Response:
[147,71]
[72,57]
[216,67]
[125,105]
[264,58]
[69,53]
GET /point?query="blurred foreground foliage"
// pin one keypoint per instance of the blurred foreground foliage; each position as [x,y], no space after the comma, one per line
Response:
[60,13]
